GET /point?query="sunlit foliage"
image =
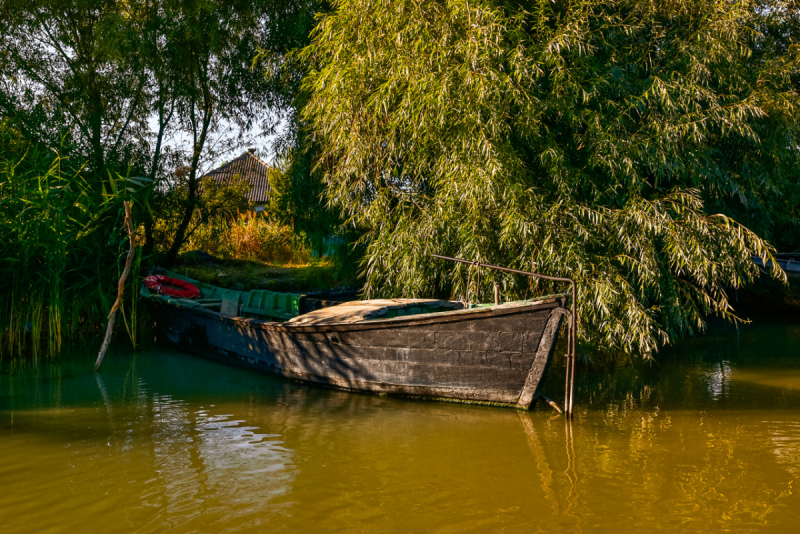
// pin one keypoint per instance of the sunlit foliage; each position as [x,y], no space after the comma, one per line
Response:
[215,201]
[585,139]
[249,236]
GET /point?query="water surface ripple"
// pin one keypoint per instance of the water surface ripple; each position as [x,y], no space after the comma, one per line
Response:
[706,440]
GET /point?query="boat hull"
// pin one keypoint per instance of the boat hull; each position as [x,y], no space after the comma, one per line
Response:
[495,355]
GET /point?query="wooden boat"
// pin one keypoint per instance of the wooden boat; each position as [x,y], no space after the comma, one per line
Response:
[433,349]
[790,263]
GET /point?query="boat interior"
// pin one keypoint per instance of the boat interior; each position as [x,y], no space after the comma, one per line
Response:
[302,309]
[257,304]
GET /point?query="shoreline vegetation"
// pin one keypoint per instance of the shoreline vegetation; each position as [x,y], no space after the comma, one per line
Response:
[245,275]
[648,151]
[60,244]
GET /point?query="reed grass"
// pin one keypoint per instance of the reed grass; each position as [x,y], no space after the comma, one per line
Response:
[59,240]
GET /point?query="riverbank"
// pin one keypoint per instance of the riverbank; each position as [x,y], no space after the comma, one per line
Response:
[768,295]
[244,275]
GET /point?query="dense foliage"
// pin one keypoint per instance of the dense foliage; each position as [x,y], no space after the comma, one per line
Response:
[58,244]
[297,199]
[160,89]
[606,140]
[250,236]
[216,201]
[153,86]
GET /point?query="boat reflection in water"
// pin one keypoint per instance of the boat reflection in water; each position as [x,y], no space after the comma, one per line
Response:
[708,440]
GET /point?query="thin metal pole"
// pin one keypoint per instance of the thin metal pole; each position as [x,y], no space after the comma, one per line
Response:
[573,316]
[573,341]
[478,284]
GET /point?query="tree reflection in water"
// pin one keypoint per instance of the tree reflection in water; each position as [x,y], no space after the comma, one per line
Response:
[213,465]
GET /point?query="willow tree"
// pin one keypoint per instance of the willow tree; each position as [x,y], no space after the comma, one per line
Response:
[581,139]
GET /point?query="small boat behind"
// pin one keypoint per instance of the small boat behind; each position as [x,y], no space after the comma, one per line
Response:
[790,263]
[424,348]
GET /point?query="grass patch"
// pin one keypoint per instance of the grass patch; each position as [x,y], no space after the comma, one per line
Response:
[244,275]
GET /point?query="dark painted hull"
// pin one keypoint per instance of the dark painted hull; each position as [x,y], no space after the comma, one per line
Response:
[492,355]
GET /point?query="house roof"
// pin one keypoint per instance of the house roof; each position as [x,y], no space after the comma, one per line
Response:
[249,166]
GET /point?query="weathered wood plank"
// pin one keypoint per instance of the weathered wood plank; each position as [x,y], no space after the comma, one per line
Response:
[488,355]
[543,355]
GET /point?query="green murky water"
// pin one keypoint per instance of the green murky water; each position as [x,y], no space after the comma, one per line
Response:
[706,441]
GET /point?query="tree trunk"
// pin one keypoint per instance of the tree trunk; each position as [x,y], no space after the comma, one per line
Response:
[199,144]
[149,223]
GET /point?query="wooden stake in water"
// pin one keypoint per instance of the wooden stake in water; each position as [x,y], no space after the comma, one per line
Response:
[120,286]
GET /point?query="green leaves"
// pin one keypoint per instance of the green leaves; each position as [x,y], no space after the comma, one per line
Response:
[59,239]
[584,139]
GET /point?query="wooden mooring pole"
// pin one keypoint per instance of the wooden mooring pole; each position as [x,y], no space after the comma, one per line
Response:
[120,286]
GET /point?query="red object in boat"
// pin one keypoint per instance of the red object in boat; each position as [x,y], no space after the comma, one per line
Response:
[172,287]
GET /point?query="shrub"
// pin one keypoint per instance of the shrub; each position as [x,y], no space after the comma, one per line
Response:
[249,236]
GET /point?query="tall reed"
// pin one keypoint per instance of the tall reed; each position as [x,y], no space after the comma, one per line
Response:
[59,240]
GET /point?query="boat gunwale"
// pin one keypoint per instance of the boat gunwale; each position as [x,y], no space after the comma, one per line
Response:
[379,324]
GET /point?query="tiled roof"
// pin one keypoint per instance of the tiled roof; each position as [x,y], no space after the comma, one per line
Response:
[249,166]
